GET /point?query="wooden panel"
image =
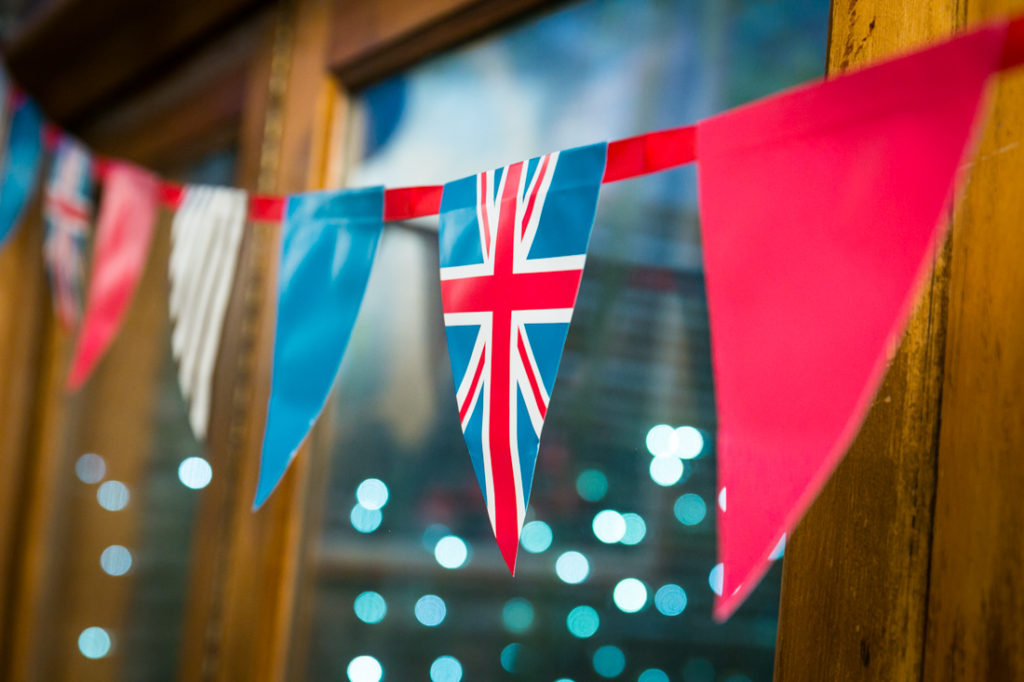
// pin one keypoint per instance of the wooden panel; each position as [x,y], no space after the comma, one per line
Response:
[249,614]
[78,54]
[193,109]
[855,575]
[975,627]
[371,39]
[66,529]
[24,313]
[909,565]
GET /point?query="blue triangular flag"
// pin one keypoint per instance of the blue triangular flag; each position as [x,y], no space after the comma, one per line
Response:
[19,161]
[328,241]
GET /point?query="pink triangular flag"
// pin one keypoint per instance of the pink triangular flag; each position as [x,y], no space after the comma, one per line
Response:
[821,210]
[124,230]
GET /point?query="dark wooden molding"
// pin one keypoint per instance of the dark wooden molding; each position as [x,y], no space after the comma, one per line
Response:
[372,39]
[76,57]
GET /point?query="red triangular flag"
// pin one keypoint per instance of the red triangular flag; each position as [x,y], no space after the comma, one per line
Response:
[127,216]
[821,209]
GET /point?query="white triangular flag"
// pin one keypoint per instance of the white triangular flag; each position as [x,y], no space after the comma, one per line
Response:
[205,239]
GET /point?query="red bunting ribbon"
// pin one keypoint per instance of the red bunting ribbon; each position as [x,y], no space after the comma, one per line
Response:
[627,158]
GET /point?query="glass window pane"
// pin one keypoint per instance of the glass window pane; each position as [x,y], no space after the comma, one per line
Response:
[617,571]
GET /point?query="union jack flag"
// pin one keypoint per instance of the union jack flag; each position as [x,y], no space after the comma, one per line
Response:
[67,211]
[512,247]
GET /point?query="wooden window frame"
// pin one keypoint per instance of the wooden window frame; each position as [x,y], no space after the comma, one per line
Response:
[872,584]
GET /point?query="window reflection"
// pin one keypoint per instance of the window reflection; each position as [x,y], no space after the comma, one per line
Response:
[618,572]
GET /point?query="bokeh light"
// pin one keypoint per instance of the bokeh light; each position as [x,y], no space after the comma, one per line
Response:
[517,615]
[689,442]
[372,493]
[572,567]
[90,468]
[112,495]
[430,610]
[451,551]
[116,560]
[690,509]
[365,520]
[670,600]
[636,529]
[510,657]
[630,595]
[583,622]
[432,534]
[445,669]
[365,669]
[195,473]
[666,471]
[536,537]
[609,526]
[653,675]
[94,642]
[662,441]
[370,607]
[592,485]
[609,661]
[715,579]
[721,499]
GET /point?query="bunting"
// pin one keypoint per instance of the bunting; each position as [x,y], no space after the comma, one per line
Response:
[205,237]
[513,243]
[123,233]
[328,241]
[821,210]
[20,159]
[67,212]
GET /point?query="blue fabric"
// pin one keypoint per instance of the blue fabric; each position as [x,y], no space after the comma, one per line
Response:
[328,241]
[563,229]
[20,162]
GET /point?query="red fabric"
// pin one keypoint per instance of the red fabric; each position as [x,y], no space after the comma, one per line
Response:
[171,195]
[821,209]
[650,153]
[264,208]
[1013,50]
[124,231]
[403,203]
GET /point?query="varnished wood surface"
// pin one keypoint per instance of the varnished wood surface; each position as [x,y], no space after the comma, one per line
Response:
[24,301]
[77,56]
[371,39]
[975,628]
[910,565]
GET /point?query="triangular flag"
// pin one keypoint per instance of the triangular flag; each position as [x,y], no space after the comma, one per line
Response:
[20,159]
[205,237]
[821,210]
[67,210]
[124,230]
[328,241]
[512,245]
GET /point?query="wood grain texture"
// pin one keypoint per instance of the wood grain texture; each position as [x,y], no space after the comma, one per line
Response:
[24,314]
[257,565]
[975,628]
[909,564]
